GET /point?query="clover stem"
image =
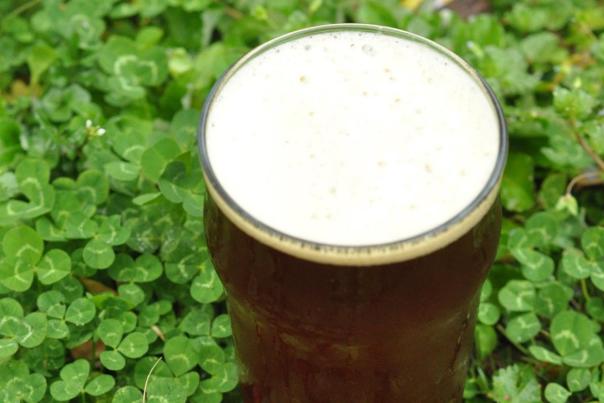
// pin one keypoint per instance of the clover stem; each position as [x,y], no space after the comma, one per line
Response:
[158,332]
[594,156]
[21,9]
[585,290]
[231,12]
[591,178]
[575,304]
[147,380]
[518,346]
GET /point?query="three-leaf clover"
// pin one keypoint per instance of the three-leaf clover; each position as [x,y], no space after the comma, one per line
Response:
[23,249]
[74,379]
[17,384]
[32,176]
[576,339]
[111,332]
[17,329]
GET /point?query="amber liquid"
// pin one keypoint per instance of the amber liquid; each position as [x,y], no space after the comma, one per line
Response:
[308,332]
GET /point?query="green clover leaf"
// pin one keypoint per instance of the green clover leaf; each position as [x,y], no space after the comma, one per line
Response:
[17,384]
[131,69]
[128,136]
[52,303]
[98,254]
[165,390]
[143,368]
[198,321]
[122,171]
[32,330]
[518,239]
[112,232]
[9,145]
[518,296]
[223,380]
[8,347]
[211,356]
[156,158]
[577,379]
[16,274]
[73,378]
[536,266]
[80,311]
[55,265]
[79,226]
[517,192]
[48,230]
[132,294]
[57,329]
[32,176]
[127,394]
[556,393]
[523,327]
[597,275]
[8,185]
[134,345]
[71,288]
[574,336]
[545,355]
[552,188]
[23,243]
[179,355]
[485,340]
[206,287]
[24,247]
[552,298]
[576,265]
[112,360]
[40,58]
[144,269]
[541,228]
[184,126]
[110,331]
[592,241]
[221,326]
[179,183]
[100,385]
[93,187]
[184,270]
[189,382]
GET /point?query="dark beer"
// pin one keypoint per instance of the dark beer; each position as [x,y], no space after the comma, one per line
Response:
[310,332]
[352,283]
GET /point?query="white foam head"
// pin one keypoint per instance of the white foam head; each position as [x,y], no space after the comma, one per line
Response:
[352,138]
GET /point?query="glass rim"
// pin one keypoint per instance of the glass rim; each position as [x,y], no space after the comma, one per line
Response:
[351,254]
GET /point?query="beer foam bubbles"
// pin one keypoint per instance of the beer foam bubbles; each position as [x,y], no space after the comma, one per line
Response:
[352,138]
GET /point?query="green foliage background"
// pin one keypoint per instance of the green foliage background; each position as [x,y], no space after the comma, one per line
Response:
[103,267]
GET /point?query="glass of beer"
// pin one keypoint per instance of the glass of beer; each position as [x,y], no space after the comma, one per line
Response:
[352,213]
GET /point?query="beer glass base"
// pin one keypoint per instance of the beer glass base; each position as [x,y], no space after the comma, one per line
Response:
[282,368]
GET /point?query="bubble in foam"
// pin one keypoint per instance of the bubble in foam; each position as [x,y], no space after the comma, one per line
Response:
[368,49]
[370,150]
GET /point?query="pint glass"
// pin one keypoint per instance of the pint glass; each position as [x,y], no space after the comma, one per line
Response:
[323,307]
